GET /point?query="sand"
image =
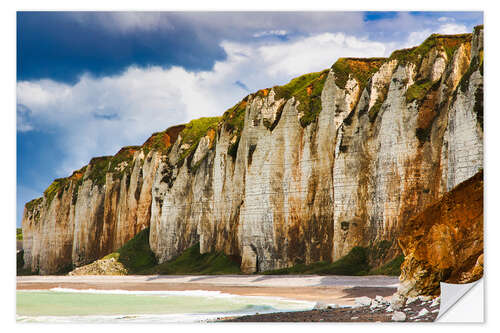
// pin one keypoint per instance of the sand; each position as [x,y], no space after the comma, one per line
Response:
[341,290]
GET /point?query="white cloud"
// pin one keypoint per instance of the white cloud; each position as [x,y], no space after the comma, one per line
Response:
[22,119]
[315,53]
[97,116]
[270,33]
[452,28]
[446,19]
[417,37]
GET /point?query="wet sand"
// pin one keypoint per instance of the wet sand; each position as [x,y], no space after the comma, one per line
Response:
[341,290]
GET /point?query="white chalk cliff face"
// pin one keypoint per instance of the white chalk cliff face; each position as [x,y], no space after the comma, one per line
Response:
[293,174]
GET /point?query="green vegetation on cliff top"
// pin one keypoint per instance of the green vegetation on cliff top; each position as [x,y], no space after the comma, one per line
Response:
[56,188]
[19,234]
[361,69]
[30,205]
[233,119]
[118,164]
[193,132]
[198,128]
[157,141]
[306,89]
[448,43]
[98,169]
[121,163]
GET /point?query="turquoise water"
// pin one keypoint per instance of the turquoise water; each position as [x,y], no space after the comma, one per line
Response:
[66,305]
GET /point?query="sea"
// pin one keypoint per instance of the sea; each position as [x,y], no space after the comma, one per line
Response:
[62,305]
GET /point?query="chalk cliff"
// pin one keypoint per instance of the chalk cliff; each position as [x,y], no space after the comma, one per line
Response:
[295,173]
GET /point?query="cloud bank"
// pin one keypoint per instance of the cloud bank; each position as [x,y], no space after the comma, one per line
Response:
[97,116]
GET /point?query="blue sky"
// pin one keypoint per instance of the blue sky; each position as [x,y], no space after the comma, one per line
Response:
[89,83]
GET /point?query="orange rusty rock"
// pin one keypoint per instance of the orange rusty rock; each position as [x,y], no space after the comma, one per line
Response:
[445,242]
[211,136]
[309,90]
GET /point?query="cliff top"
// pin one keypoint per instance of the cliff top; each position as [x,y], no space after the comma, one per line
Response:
[362,69]
[161,141]
[448,43]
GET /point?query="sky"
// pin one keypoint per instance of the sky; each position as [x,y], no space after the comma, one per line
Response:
[89,83]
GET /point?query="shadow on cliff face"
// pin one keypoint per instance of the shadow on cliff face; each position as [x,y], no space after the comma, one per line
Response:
[355,263]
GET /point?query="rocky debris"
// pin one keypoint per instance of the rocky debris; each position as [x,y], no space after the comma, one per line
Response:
[320,306]
[397,302]
[435,302]
[422,308]
[417,310]
[423,312]
[363,301]
[411,300]
[101,267]
[379,302]
[398,316]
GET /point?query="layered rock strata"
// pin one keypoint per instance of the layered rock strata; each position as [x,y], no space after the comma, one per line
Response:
[296,173]
[94,211]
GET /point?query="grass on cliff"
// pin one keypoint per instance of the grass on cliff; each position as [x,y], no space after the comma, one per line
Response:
[419,90]
[393,267]
[158,141]
[192,262]
[192,134]
[307,90]
[234,118]
[356,263]
[361,69]
[448,43]
[121,163]
[135,255]
[19,234]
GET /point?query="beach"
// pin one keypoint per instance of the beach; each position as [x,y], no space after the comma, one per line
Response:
[213,298]
[340,290]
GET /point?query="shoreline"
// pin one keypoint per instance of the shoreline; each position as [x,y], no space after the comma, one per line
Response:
[336,297]
[340,290]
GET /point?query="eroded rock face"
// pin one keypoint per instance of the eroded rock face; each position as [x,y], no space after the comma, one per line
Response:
[91,213]
[445,242]
[353,177]
[299,173]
